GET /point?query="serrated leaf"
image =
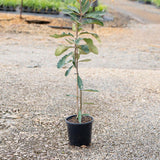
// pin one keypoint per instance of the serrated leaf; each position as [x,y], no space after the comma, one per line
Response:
[73,9]
[62,61]
[61,49]
[85,60]
[62,35]
[80,83]
[84,49]
[90,90]
[93,34]
[79,116]
[68,71]
[93,21]
[91,46]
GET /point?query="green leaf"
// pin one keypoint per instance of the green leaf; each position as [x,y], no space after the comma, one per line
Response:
[78,40]
[93,34]
[74,9]
[70,41]
[61,49]
[88,103]
[96,15]
[68,71]
[85,114]
[67,11]
[79,116]
[73,61]
[91,46]
[85,60]
[69,95]
[69,61]
[80,83]
[93,21]
[98,18]
[82,52]
[62,35]
[85,6]
[74,18]
[90,90]
[62,61]
[71,14]
[73,27]
[84,49]
[78,56]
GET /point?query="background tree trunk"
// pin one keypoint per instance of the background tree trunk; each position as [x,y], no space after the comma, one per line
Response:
[21,9]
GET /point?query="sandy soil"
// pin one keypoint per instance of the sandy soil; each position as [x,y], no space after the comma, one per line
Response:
[33,102]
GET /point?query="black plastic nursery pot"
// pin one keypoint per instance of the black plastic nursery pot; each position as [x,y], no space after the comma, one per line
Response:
[79,133]
[7,8]
[1,8]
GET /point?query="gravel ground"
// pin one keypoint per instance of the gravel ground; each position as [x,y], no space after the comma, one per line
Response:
[144,13]
[33,104]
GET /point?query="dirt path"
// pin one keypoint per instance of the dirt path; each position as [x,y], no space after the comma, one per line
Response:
[141,12]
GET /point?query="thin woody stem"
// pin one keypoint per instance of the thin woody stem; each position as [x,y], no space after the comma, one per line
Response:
[76,65]
[81,101]
[80,90]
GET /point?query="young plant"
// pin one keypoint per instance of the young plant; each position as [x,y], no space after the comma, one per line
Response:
[78,44]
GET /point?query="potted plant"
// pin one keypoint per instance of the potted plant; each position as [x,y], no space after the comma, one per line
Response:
[79,125]
[1,5]
[6,5]
[57,7]
[157,3]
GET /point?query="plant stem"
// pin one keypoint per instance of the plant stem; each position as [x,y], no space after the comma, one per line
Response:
[81,101]
[76,64]
[93,24]
[80,90]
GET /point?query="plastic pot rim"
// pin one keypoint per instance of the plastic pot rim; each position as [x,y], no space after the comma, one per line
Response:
[78,124]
